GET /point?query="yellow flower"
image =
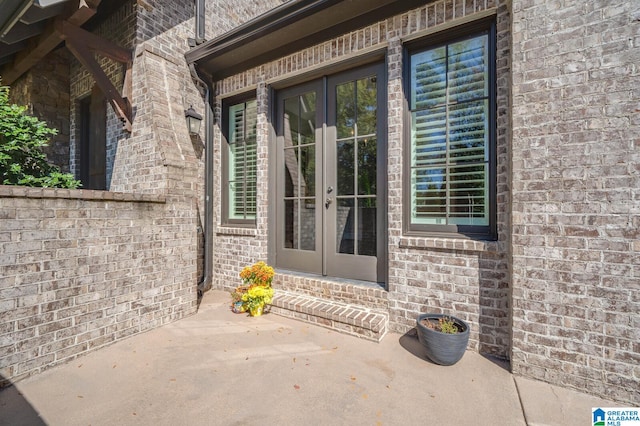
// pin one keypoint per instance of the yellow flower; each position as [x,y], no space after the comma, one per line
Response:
[257,288]
[258,295]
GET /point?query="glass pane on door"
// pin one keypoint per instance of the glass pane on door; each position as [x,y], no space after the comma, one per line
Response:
[300,172]
[345,230]
[367,219]
[356,166]
[330,212]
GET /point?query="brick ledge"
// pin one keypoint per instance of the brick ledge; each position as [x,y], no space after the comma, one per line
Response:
[79,194]
[412,242]
[345,318]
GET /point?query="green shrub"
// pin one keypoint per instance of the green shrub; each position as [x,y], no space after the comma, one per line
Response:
[22,161]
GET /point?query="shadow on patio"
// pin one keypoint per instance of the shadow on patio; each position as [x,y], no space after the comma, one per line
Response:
[12,401]
[217,367]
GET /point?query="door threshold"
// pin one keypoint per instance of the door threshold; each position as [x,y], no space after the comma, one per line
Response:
[338,280]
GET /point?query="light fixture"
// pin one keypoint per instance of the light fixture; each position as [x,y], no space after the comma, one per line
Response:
[193,120]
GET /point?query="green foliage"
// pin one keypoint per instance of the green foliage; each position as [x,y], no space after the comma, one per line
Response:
[448,326]
[444,325]
[22,161]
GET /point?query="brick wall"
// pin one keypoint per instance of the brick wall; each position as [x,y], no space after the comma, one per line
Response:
[45,91]
[82,269]
[235,248]
[158,155]
[467,278]
[576,195]
[119,28]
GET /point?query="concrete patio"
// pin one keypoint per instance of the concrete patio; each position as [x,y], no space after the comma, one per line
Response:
[221,368]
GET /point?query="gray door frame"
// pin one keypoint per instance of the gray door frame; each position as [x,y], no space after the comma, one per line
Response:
[323,260]
[295,259]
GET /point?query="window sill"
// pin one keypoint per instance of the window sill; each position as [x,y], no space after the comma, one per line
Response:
[236,230]
[413,242]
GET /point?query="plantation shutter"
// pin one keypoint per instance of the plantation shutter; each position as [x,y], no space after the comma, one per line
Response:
[450,134]
[242,160]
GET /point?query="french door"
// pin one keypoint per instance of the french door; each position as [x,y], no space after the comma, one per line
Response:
[331,179]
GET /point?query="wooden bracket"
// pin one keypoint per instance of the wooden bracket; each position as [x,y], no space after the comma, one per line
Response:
[48,41]
[82,45]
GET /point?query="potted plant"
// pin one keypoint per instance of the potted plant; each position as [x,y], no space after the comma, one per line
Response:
[444,337]
[237,305]
[258,291]
[256,297]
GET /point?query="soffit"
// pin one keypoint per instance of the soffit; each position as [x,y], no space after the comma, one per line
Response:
[295,25]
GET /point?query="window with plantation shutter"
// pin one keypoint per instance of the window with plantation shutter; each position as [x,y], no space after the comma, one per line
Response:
[240,162]
[452,137]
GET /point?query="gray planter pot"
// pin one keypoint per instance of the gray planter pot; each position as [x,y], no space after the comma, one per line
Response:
[442,348]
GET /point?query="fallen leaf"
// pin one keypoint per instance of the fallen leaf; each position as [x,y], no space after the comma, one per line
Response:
[353,378]
[296,387]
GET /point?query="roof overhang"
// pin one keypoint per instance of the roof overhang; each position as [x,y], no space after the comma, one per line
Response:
[293,26]
[21,20]
[23,23]
[31,29]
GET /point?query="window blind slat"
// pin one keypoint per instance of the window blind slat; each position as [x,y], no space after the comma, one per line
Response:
[449,156]
[242,161]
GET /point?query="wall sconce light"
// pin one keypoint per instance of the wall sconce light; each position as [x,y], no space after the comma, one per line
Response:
[193,120]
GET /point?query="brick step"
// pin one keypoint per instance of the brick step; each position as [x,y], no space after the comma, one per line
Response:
[344,291]
[360,321]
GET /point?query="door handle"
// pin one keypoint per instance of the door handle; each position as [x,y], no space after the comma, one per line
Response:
[327,202]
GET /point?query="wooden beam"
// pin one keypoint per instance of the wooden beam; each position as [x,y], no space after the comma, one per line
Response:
[31,56]
[85,10]
[47,42]
[96,43]
[127,86]
[121,106]
[83,44]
